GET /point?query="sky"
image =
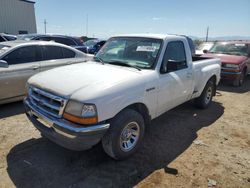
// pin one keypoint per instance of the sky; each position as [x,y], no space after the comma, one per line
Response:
[104,18]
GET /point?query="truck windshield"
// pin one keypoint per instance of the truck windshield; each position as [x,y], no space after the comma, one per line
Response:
[230,48]
[133,51]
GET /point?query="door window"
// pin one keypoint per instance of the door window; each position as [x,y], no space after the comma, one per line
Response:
[65,41]
[2,39]
[68,53]
[21,55]
[174,57]
[52,52]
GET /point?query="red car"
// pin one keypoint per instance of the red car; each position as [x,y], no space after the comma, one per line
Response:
[235,60]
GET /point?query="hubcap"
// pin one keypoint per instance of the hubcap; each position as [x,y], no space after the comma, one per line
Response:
[129,136]
[209,95]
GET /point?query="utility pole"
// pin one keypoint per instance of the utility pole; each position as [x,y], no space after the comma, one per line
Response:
[87,24]
[45,24]
[207,34]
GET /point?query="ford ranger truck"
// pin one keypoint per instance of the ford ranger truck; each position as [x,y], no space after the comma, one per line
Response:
[235,60]
[111,99]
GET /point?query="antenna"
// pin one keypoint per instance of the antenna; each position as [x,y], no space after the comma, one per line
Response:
[45,24]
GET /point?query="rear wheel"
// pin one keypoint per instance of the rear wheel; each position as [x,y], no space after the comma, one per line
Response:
[206,96]
[124,135]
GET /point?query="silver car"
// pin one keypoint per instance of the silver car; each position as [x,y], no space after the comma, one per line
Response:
[20,60]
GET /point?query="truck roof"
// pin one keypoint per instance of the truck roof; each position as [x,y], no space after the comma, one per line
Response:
[147,35]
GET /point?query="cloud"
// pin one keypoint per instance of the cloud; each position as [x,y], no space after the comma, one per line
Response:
[157,18]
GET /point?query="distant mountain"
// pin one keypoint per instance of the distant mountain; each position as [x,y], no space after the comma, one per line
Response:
[222,38]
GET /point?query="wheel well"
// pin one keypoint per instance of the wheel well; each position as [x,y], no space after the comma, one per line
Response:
[214,80]
[143,110]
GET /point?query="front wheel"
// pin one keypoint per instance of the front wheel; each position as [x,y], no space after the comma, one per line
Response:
[239,81]
[204,100]
[124,135]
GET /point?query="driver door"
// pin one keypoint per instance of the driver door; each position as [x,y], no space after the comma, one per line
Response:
[175,79]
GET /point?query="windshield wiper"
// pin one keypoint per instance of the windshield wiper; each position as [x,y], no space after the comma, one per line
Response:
[121,63]
[98,59]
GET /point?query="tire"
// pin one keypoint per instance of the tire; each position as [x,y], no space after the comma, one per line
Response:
[239,82]
[124,135]
[204,100]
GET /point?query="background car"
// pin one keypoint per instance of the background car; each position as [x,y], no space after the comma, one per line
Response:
[6,37]
[19,60]
[235,60]
[93,46]
[203,46]
[74,42]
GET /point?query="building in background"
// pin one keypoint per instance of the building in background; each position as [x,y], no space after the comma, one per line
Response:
[17,17]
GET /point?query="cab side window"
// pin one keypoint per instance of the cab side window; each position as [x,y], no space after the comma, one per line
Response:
[174,57]
[21,55]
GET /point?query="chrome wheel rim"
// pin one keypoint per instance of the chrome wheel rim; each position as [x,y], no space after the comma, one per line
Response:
[129,136]
[209,95]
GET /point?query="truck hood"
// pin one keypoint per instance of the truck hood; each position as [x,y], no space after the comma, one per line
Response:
[89,78]
[233,59]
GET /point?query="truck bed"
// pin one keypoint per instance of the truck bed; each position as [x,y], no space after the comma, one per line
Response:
[198,58]
[203,69]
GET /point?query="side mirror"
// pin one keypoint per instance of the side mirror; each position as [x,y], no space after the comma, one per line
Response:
[205,51]
[168,66]
[172,65]
[4,64]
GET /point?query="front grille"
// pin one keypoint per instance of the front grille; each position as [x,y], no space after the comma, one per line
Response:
[47,102]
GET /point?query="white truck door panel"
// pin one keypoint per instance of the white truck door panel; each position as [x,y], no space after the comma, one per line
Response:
[174,89]
[176,77]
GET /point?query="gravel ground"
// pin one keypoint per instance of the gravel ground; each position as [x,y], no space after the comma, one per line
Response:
[185,147]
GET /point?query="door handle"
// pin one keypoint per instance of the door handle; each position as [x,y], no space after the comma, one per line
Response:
[35,67]
[69,63]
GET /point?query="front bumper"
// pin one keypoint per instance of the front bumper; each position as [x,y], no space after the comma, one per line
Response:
[230,76]
[64,133]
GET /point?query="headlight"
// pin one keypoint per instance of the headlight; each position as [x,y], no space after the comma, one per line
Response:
[80,113]
[227,65]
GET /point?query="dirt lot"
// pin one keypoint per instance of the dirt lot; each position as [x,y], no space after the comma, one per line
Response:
[183,148]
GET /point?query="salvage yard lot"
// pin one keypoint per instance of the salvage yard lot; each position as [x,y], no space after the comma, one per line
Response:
[169,157]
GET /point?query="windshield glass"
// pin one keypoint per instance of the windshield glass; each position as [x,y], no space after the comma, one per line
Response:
[26,37]
[230,48]
[134,51]
[3,48]
[205,46]
[90,42]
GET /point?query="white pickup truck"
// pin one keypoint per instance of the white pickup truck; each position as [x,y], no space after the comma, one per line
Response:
[132,80]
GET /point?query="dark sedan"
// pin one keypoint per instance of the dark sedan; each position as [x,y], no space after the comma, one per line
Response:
[93,46]
[74,42]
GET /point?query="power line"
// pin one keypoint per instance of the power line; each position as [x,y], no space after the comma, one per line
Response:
[207,34]
[87,24]
[45,26]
